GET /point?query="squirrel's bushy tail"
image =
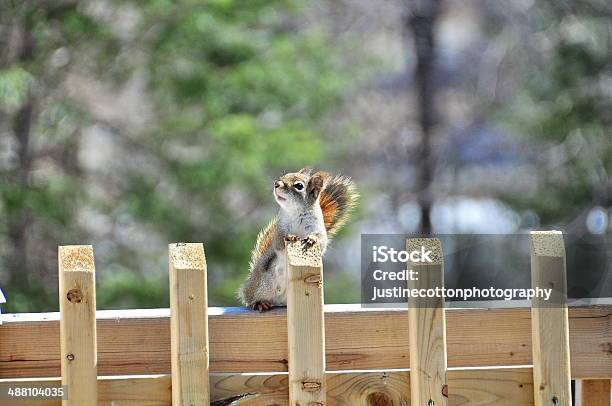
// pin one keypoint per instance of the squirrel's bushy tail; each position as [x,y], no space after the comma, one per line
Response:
[338,197]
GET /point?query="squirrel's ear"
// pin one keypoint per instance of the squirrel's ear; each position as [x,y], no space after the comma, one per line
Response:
[315,185]
[305,170]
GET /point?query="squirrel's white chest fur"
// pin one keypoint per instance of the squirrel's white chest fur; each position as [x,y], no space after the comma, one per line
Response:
[302,224]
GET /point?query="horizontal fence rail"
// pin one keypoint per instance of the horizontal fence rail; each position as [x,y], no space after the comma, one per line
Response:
[138,341]
[498,386]
[595,392]
[504,387]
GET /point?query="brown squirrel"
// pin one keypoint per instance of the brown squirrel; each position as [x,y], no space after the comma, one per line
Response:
[313,207]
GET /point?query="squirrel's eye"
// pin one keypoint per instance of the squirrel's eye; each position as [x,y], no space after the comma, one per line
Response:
[298,185]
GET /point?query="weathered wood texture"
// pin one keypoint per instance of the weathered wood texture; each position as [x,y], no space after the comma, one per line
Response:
[549,321]
[305,326]
[477,387]
[138,341]
[427,328]
[188,324]
[596,392]
[77,301]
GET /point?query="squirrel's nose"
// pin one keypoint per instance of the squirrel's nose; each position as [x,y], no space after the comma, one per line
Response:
[278,184]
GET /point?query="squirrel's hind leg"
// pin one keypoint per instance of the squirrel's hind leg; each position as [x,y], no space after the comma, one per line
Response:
[259,291]
[262,306]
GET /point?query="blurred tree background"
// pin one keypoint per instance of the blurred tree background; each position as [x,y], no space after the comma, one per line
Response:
[129,125]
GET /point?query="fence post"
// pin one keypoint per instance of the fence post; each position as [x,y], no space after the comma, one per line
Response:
[305,325]
[189,325]
[549,321]
[428,378]
[77,303]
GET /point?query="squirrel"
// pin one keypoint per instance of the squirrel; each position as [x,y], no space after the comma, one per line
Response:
[313,207]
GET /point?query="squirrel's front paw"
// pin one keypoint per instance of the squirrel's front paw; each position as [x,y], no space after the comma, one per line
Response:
[262,306]
[310,240]
[292,238]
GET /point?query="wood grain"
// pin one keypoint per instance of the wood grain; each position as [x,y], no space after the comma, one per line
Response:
[138,341]
[427,328]
[549,321]
[77,301]
[488,387]
[596,392]
[305,326]
[188,325]
[474,387]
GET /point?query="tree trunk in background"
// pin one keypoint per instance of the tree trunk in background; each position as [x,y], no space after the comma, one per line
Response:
[420,21]
[18,223]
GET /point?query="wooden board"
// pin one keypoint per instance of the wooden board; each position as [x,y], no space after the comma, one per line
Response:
[188,324]
[474,387]
[549,321]
[305,326]
[77,301]
[138,341]
[595,392]
[427,327]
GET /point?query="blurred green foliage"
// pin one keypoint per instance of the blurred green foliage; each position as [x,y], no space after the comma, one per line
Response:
[234,94]
[565,105]
[236,90]
[14,84]
[40,185]
[239,87]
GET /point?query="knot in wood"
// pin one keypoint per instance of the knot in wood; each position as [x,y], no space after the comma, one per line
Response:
[75,295]
[379,399]
[311,386]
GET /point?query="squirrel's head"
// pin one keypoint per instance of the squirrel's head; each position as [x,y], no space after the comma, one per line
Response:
[295,191]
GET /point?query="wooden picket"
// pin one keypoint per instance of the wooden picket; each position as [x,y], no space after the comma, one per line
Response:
[428,383]
[305,326]
[189,329]
[77,301]
[549,321]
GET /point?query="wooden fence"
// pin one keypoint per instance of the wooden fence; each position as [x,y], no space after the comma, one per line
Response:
[310,354]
